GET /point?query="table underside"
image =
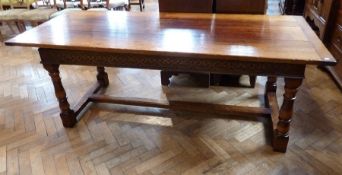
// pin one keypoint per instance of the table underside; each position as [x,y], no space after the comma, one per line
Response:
[280,117]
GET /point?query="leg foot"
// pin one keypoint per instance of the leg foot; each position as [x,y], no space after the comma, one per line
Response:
[68,118]
[280,143]
[252,80]
[281,133]
[67,115]
[165,77]
[102,77]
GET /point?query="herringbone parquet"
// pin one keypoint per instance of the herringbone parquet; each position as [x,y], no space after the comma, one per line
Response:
[113,139]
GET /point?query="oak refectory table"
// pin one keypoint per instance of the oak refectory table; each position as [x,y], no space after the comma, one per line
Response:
[272,46]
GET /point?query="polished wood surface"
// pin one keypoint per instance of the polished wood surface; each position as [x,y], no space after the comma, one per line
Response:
[177,59]
[119,140]
[186,6]
[206,79]
[282,39]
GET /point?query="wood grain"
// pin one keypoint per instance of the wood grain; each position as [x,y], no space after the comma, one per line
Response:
[145,137]
[213,54]
[123,140]
[242,37]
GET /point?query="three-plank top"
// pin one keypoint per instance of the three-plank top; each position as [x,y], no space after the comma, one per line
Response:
[280,39]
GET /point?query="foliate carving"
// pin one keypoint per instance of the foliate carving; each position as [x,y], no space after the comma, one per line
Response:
[174,63]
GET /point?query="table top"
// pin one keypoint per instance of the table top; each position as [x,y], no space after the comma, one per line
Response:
[280,39]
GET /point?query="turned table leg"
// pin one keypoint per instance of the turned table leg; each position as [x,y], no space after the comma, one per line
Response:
[165,77]
[281,133]
[67,115]
[252,80]
[271,84]
[102,77]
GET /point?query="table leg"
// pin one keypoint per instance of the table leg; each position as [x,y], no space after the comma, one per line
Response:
[165,77]
[252,80]
[281,133]
[67,115]
[102,77]
[271,84]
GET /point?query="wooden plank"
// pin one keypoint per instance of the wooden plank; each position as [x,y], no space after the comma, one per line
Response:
[319,47]
[184,106]
[212,36]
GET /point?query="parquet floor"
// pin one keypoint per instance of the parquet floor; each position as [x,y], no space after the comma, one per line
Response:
[112,139]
